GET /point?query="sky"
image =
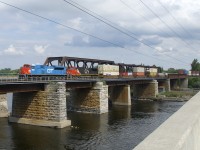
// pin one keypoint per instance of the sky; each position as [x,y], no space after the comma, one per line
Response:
[164,33]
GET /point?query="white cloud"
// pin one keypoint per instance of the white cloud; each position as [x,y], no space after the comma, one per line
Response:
[75,23]
[11,50]
[161,50]
[40,49]
[86,39]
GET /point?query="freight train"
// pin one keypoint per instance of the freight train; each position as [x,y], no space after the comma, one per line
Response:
[102,70]
[71,66]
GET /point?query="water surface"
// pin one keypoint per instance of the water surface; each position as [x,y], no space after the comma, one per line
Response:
[120,129]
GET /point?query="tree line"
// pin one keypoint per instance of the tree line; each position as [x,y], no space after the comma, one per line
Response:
[9,71]
[195,65]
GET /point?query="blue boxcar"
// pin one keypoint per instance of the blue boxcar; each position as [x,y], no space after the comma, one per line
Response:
[47,70]
[186,72]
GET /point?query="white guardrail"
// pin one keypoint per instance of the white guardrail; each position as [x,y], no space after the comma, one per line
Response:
[179,132]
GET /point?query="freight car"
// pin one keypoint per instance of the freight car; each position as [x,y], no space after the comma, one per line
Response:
[151,71]
[108,70]
[131,70]
[193,73]
[139,71]
[183,71]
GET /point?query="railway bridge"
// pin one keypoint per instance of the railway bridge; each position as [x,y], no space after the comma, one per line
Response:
[45,102]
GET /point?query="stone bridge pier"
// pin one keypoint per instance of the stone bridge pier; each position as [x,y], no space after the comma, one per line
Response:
[120,95]
[88,100]
[3,106]
[145,90]
[42,108]
[174,83]
[164,85]
[179,83]
[184,83]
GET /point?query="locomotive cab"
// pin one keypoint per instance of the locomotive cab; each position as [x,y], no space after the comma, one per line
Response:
[25,70]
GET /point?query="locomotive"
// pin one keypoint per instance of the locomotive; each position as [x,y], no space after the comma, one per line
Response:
[43,70]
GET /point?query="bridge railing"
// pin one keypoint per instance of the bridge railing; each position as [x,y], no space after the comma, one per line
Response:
[16,78]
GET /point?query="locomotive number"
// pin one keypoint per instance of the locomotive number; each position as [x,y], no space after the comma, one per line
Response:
[49,70]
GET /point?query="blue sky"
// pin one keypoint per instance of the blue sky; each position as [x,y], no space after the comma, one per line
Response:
[25,38]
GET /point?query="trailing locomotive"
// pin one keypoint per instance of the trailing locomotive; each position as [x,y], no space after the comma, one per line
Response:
[25,70]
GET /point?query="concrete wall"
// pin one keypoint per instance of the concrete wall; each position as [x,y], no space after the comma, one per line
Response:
[43,108]
[88,100]
[180,132]
[3,106]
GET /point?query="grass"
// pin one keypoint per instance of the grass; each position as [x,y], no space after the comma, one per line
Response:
[179,93]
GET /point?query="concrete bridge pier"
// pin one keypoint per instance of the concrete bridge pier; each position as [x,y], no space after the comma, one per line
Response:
[42,108]
[145,90]
[164,85]
[88,100]
[3,106]
[174,84]
[120,95]
[184,83]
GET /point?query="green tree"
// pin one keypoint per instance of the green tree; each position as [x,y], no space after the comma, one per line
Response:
[195,66]
[160,69]
[9,71]
[172,70]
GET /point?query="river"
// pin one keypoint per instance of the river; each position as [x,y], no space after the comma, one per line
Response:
[121,129]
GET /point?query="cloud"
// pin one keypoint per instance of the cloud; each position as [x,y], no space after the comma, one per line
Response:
[75,23]
[40,49]
[18,26]
[11,50]
[164,51]
[152,40]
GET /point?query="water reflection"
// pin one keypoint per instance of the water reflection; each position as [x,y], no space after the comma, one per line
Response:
[122,128]
[31,137]
[5,134]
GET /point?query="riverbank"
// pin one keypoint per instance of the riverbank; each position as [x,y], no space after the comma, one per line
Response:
[176,96]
